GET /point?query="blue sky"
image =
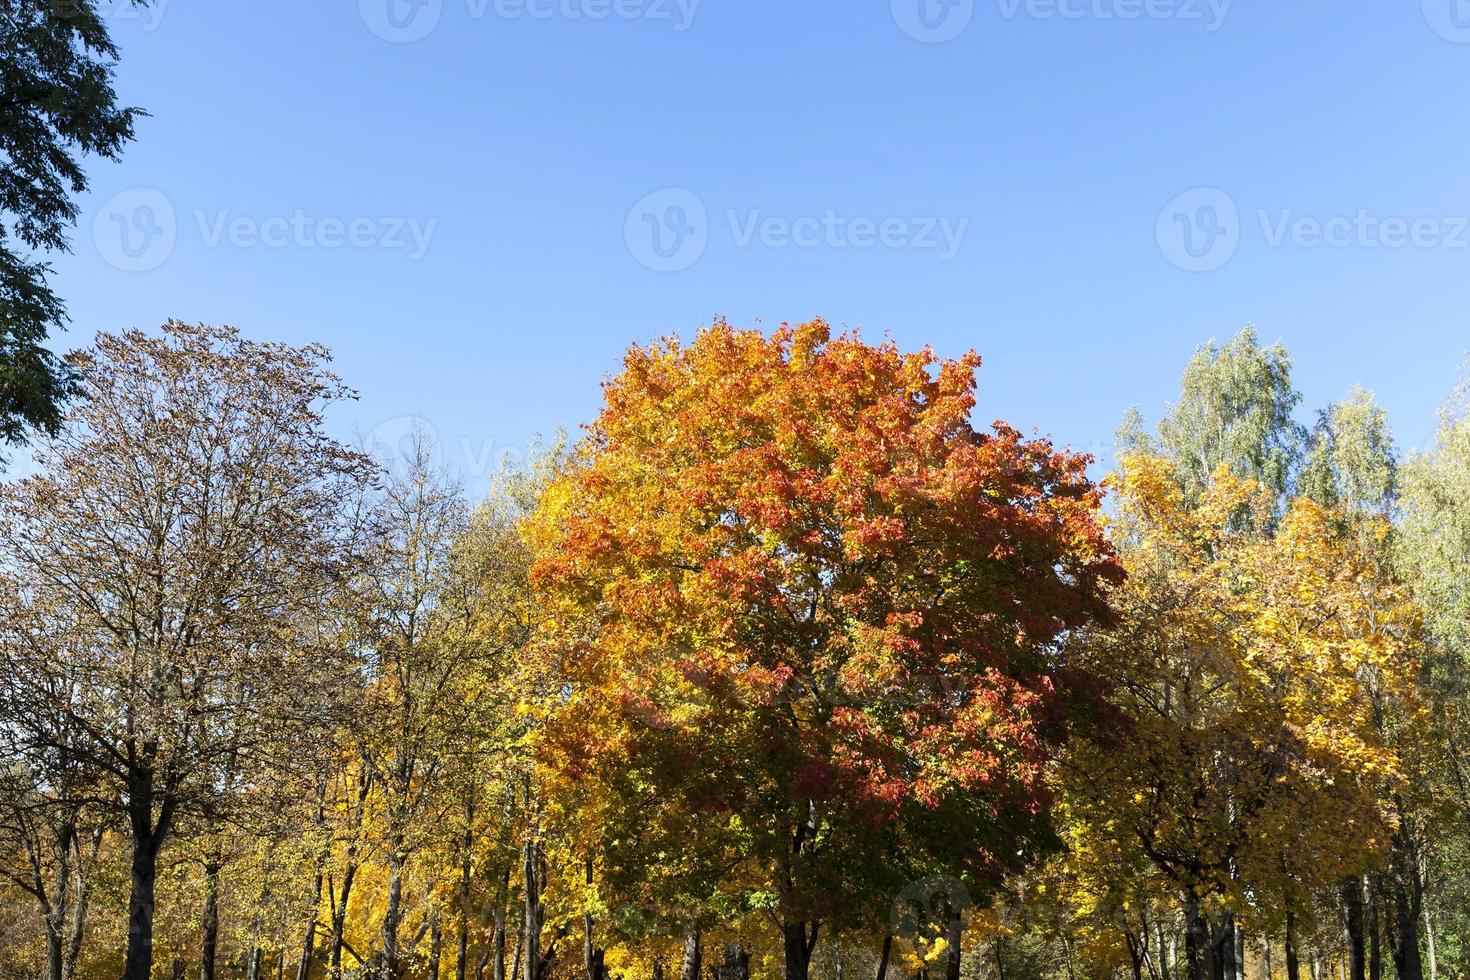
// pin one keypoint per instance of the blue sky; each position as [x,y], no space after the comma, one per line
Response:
[479,203]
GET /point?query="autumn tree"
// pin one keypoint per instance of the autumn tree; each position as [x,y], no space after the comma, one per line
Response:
[183,524]
[1251,655]
[413,676]
[1235,408]
[823,605]
[52,812]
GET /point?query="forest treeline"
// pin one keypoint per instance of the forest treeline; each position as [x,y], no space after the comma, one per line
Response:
[782,669]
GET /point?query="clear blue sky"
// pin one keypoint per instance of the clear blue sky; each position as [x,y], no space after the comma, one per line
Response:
[821,140]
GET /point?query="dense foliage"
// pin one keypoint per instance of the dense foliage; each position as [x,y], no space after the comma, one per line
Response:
[783,668]
[58,104]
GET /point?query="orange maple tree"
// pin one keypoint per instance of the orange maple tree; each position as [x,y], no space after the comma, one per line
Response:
[817,621]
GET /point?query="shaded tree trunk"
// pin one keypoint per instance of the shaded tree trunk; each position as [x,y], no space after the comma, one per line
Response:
[1223,965]
[308,942]
[1352,909]
[436,945]
[1293,965]
[462,940]
[883,956]
[339,916]
[393,910]
[531,944]
[53,952]
[498,940]
[1404,934]
[735,964]
[80,898]
[594,958]
[1429,945]
[209,922]
[1198,945]
[954,933]
[799,939]
[143,877]
[1375,933]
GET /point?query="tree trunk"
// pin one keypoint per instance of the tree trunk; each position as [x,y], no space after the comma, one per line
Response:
[143,877]
[693,954]
[1352,908]
[1429,945]
[736,964]
[1198,944]
[1404,933]
[252,964]
[954,934]
[1293,965]
[339,915]
[799,940]
[594,959]
[462,940]
[393,911]
[1375,933]
[53,951]
[498,940]
[209,924]
[531,946]
[1224,964]
[436,945]
[308,942]
[516,957]
[883,957]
